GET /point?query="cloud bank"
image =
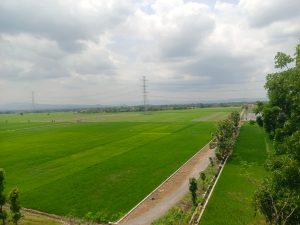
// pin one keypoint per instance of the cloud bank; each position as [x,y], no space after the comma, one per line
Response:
[95,52]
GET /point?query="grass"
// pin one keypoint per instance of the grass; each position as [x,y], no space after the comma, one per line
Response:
[231,201]
[74,168]
[29,219]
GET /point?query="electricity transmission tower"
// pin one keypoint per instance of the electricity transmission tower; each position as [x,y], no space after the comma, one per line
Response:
[33,100]
[144,93]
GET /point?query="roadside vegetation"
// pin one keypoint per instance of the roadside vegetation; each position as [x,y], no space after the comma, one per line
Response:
[278,198]
[190,206]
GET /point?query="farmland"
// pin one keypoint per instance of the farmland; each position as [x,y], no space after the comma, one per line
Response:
[231,201]
[98,162]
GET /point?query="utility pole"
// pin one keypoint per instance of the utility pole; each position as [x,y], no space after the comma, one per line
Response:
[33,100]
[145,93]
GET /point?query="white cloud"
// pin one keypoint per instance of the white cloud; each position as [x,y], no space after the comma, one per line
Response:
[100,49]
[264,13]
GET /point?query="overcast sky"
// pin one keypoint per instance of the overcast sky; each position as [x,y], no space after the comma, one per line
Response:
[96,51]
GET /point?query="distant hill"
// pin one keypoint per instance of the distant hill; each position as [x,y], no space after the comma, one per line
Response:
[42,107]
[236,100]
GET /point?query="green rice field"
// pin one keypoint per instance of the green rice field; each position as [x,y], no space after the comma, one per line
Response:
[231,201]
[99,162]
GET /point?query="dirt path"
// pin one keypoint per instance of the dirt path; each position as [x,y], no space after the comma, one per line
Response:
[170,192]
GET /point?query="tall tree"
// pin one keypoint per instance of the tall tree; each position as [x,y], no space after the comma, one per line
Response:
[15,205]
[3,214]
[235,118]
[259,107]
[282,60]
[223,138]
[278,198]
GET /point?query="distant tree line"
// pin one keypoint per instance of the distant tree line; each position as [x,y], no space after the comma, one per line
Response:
[140,108]
[126,108]
[278,198]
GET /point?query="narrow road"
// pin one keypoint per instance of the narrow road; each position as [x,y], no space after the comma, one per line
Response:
[170,192]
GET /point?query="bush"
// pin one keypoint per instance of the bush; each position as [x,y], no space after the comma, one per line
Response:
[252,122]
[96,217]
[259,121]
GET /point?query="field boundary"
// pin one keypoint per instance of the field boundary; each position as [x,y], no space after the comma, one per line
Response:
[40,213]
[54,217]
[160,185]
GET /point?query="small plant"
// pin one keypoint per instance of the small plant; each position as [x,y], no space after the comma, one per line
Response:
[98,217]
[193,189]
[211,162]
[203,178]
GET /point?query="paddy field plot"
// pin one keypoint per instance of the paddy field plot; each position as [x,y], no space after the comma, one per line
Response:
[106,162]
[231,201]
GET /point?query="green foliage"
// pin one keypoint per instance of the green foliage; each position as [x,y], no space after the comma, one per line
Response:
[297,54]
[282,59]
[279,197]
[2,179]
[3,214]
[100,217]
[193,189]
[259,107]
[280,206]
[176,216]
[211,162]
[270,119]
[235,118]
[252,122]
[224,136]
[285,172]
[203,178]
[291,146]
[15,206]
[260,121]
